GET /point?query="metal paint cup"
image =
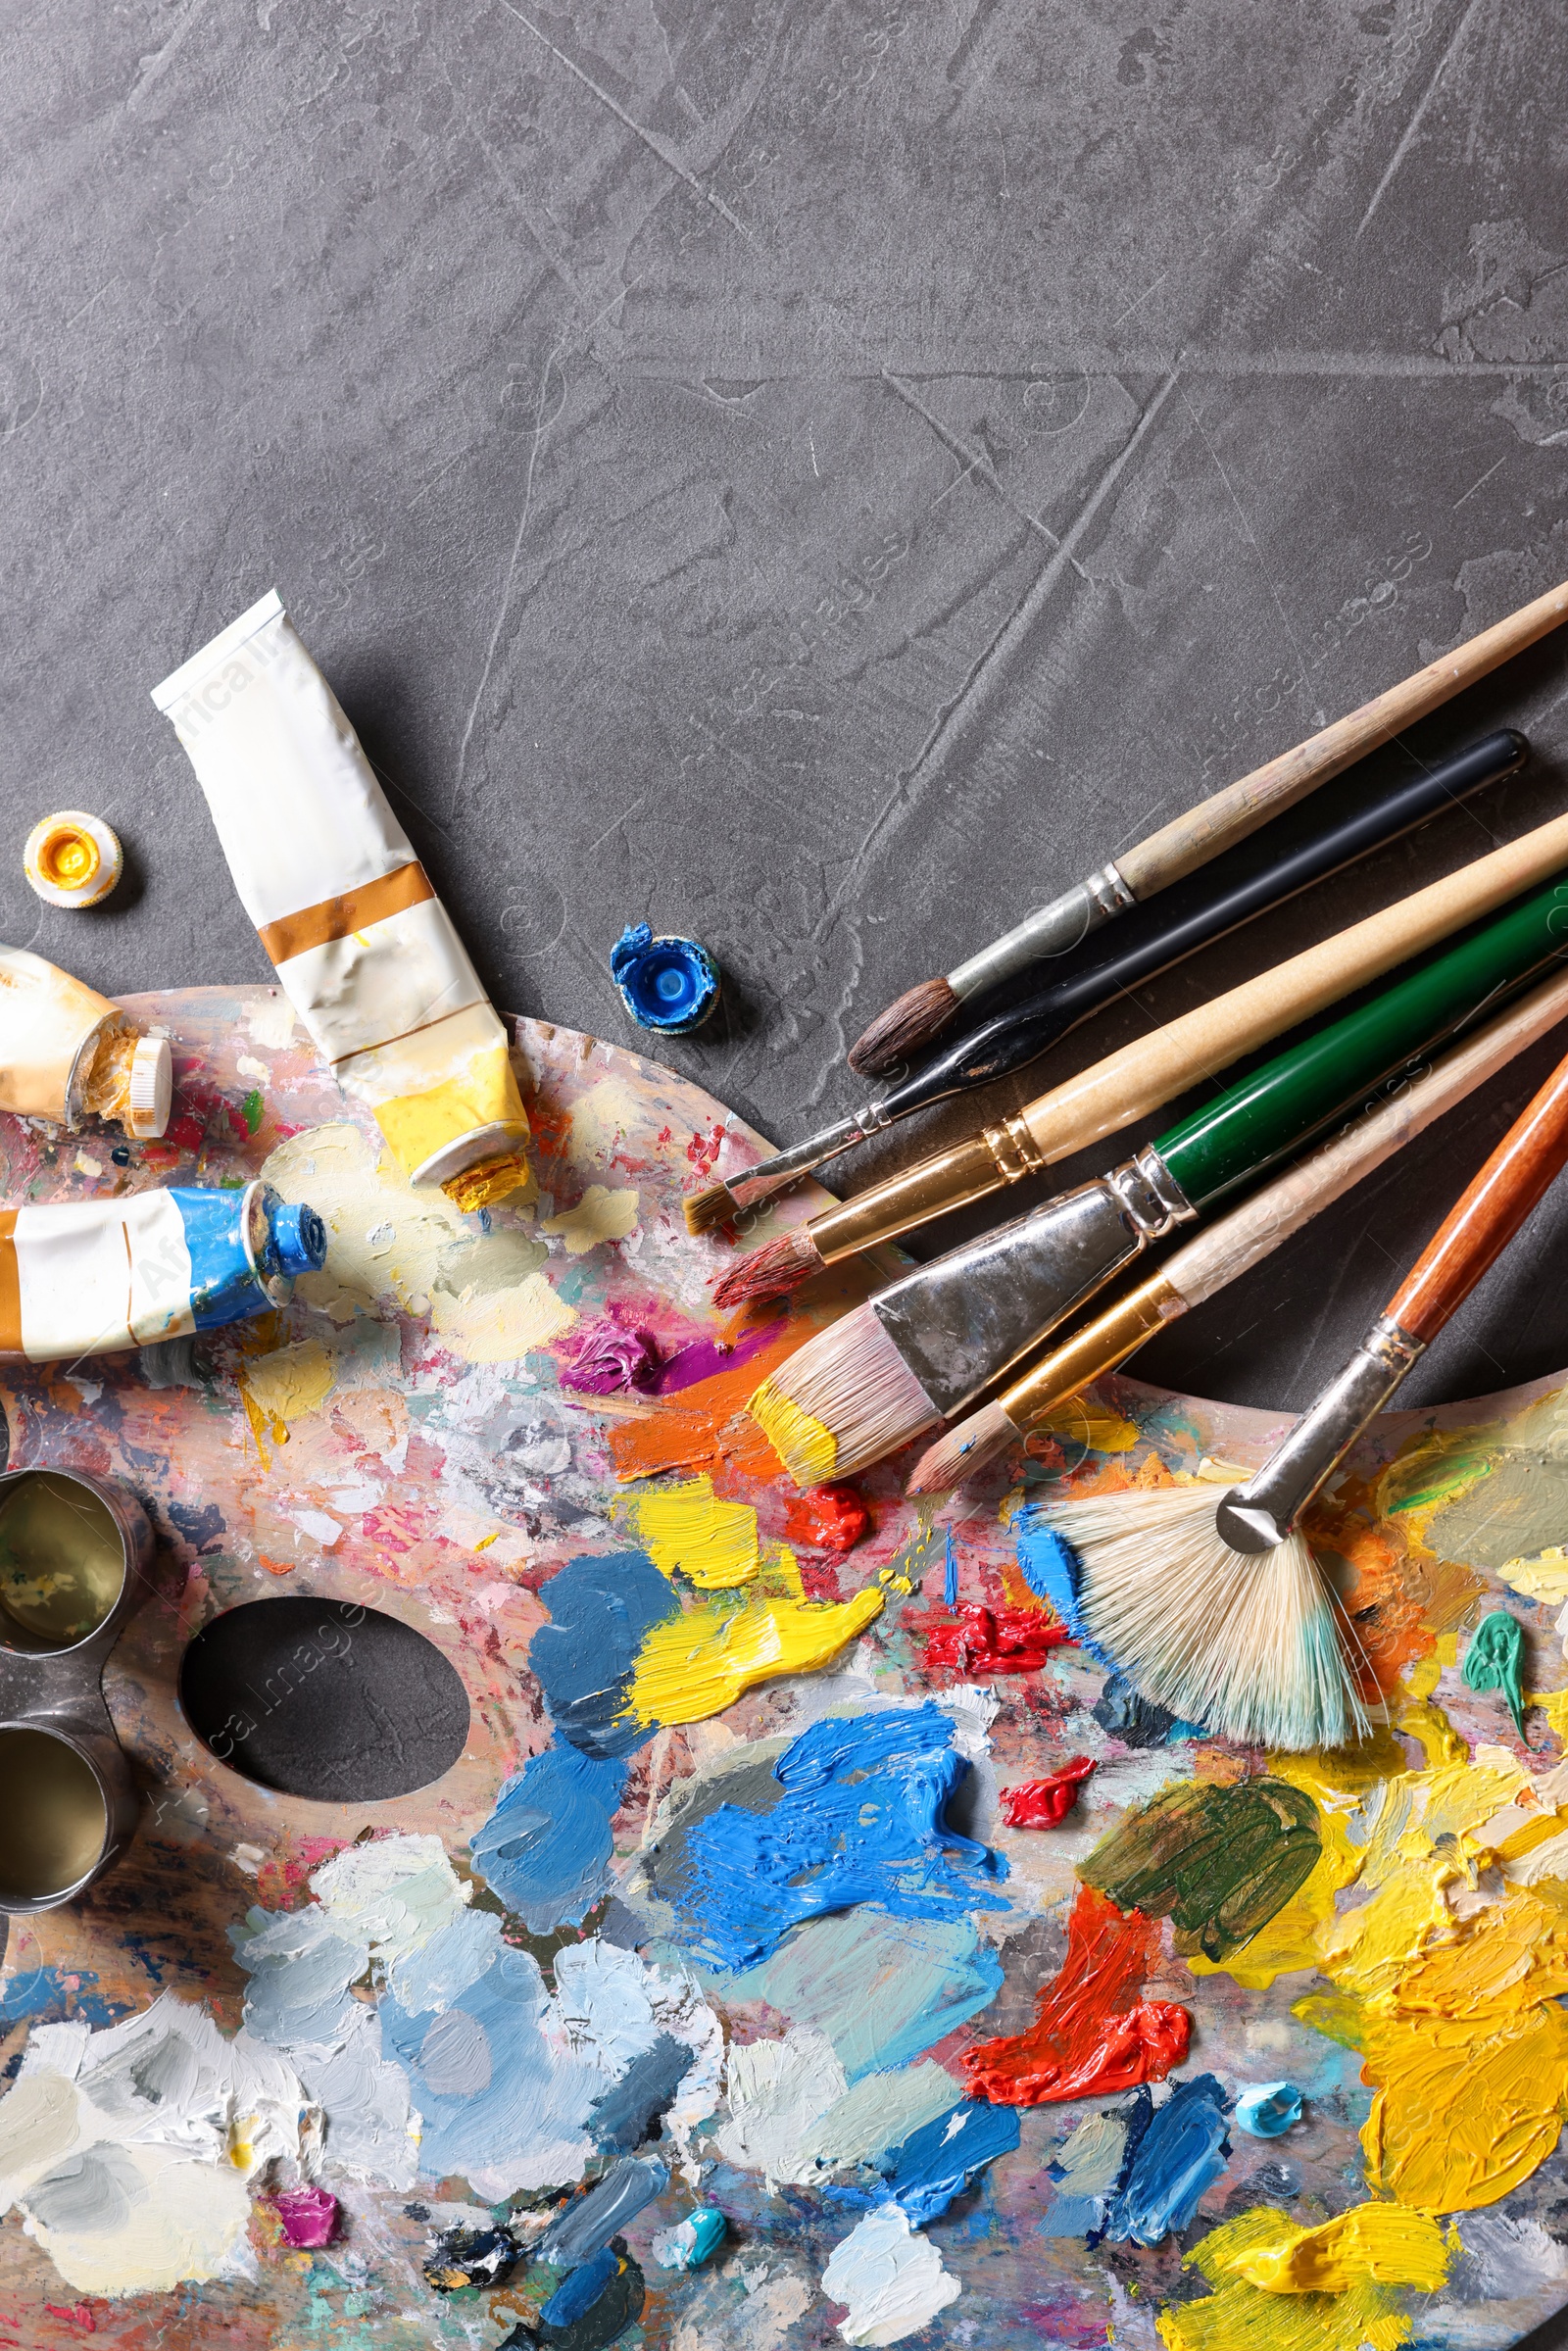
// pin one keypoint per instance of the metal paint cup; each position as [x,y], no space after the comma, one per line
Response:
[78,1558]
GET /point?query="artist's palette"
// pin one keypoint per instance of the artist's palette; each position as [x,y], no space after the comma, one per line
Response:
[664,1842]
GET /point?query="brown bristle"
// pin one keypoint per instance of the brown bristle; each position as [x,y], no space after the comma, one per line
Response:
[919,1014]
[702,1210]
[962,1451]
[771,1271]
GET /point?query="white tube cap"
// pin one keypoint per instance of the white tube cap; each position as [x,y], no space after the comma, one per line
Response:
[152,1089]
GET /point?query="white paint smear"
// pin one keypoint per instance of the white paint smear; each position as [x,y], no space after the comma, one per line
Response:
[129,2150]
[599,1215]
[890,2275]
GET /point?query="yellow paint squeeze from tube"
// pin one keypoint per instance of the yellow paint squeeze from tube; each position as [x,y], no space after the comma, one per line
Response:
[686,1529]
[1330,2288]
[482,1094]
[695,1665]
[808,1447]
[287,1384]
[601,1214]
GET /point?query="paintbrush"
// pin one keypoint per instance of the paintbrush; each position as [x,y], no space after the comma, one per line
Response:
[1225,1251]
[1152,939]
[920,1351]
[1135,1079]
[1192,840]
[1213,1605]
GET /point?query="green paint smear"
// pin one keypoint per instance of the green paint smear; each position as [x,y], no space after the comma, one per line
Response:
[251,1109]
[1218,1862]
[1339,2016]
[1495,1660]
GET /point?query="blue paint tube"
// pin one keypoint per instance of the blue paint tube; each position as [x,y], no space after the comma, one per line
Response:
[91,1277]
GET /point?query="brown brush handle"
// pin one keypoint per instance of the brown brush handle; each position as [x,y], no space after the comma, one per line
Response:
[1190,841]
[1485,1220]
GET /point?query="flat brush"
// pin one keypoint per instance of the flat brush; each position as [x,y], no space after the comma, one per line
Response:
[1192,840]
[1212,1604]
[1129,1084]
[1152,939]
[1225,1251]
[920,1351]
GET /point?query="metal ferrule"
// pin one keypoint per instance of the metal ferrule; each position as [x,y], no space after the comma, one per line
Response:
[1257,1516]
[1098,1347]
[963,1319]
[769,1176]
[1013,1148]
[1049,931]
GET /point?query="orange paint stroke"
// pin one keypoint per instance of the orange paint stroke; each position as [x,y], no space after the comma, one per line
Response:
[1094,2031]
[705,1425]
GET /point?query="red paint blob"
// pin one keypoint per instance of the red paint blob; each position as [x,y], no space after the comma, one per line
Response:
[1092,2033]
[994,1640]
[1044,1803]
[830,1518]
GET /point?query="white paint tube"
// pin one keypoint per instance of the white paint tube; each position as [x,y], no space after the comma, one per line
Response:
[364,950]
[67,1054]
[90,1276]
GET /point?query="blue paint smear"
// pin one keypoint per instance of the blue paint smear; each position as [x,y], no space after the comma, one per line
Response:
[545,1850]
[600,1609]
[1073,2216]
[64,1991]
[861,1821]
[950,1575]
[937,2163]
[1179,2153]
[882,1989]
[1051,1567]
[1267,2108]
[576,2295]
[481,2076]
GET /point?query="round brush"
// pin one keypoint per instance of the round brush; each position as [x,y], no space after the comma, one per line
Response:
[1213,1606]
[1225,1251]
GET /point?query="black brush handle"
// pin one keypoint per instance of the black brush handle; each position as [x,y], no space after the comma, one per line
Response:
[1151,941]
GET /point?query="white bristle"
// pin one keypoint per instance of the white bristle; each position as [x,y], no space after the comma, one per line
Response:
[962,1452]
[1248,1645]
[851,1378]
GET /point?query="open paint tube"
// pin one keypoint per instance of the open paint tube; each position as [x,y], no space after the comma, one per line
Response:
[67,1054]
[90,1277]
[364,950]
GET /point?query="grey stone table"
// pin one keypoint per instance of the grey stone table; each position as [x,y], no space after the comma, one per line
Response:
[817,474]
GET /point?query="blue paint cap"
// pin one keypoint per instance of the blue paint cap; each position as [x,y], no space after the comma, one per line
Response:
[299,1237]
[669,985]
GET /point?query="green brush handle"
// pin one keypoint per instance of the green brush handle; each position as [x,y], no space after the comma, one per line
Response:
[1265,1115]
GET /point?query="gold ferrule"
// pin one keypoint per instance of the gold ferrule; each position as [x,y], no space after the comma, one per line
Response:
[946,1180]
[1013,1148]
[1098,1347]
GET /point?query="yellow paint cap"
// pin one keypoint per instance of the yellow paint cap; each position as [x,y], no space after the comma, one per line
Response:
[151,1092]
[71,858]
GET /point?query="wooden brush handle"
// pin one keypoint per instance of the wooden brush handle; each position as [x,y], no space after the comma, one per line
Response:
[1130,1083]
[1222,1252]
[1190,841]
[1486,1217]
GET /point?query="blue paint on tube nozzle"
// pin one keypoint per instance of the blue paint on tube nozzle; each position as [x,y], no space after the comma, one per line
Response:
[669,985]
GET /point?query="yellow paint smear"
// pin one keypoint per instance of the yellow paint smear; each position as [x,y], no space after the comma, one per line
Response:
[1101,1432]
[1543,1578]
[483,1094]
[695,1665]
[1381,2241]
[808,1449]
[686,1529]
[599,1215]
[1369,2259]
[285,1386]
[499,1325]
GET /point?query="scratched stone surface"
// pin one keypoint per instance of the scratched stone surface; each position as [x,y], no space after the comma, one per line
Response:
[819,475]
